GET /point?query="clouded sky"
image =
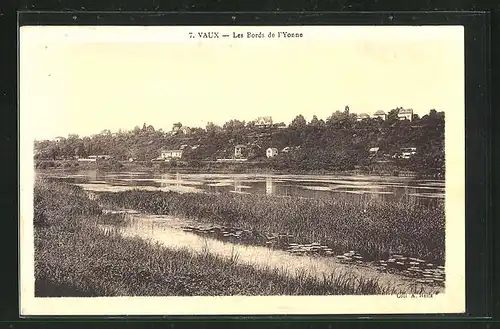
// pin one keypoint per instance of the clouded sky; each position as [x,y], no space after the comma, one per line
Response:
[83,80]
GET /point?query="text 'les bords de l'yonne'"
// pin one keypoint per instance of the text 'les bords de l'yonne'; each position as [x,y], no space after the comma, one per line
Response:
[247,35]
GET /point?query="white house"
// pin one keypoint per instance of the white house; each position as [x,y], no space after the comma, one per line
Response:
[405,114]
[170,154]
[272,151]
[380,114]
[104,157]
[238,150]
[265,121]
[408,152]
[89,159]
[373,150]
[362,116]
[185,130]
[95,158]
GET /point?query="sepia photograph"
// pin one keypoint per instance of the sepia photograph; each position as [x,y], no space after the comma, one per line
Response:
[242,170]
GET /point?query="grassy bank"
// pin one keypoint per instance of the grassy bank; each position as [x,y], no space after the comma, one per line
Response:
[74,258]
[370,227]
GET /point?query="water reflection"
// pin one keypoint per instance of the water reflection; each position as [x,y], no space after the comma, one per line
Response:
[357,188]
[269,186]
[166,230]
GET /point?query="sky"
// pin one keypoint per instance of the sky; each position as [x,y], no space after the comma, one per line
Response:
[83,80]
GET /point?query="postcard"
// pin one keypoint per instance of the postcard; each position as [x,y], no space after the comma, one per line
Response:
[241,170]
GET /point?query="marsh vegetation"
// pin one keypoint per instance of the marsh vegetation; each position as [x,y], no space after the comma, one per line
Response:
[73,257]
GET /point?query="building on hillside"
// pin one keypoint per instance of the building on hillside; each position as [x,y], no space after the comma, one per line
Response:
[265,121]
[185,130]
[405,114]
[239,150]
[170,154]
[59,139]
[380,114]
[104,157]
[408,152]
[89,159]
[362,116]
[373,150]
[178,128]
[271,152]
[94,158]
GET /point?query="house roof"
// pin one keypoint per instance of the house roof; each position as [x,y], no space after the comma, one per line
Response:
[240,145]
[374,149]
[379,112]
[265,119]
[272,148]
[405,111]
[171,150]
[364,115]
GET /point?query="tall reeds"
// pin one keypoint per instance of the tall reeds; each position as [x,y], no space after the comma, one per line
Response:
[373,228]
[73,257]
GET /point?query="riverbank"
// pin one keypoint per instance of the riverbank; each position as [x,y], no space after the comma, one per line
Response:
[220,168]
[73,257]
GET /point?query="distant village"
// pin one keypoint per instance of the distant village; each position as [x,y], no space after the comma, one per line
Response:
[240,151]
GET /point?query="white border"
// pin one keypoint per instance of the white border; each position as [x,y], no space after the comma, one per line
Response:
[452,301]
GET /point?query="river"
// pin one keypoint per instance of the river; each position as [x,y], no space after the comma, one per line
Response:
[359,188]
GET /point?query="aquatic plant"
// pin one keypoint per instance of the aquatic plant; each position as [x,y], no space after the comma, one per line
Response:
[373,228]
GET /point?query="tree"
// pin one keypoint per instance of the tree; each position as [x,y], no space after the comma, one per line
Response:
[315,122]
[233,125]
[212,128]
[341,119]
[392,116]
[299,122]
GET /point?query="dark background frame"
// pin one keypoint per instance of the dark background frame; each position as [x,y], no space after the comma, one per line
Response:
[478,119]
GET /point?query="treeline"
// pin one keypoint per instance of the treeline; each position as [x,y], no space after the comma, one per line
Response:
[340,142]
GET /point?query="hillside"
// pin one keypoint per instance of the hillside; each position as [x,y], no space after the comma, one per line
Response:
[341,142]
